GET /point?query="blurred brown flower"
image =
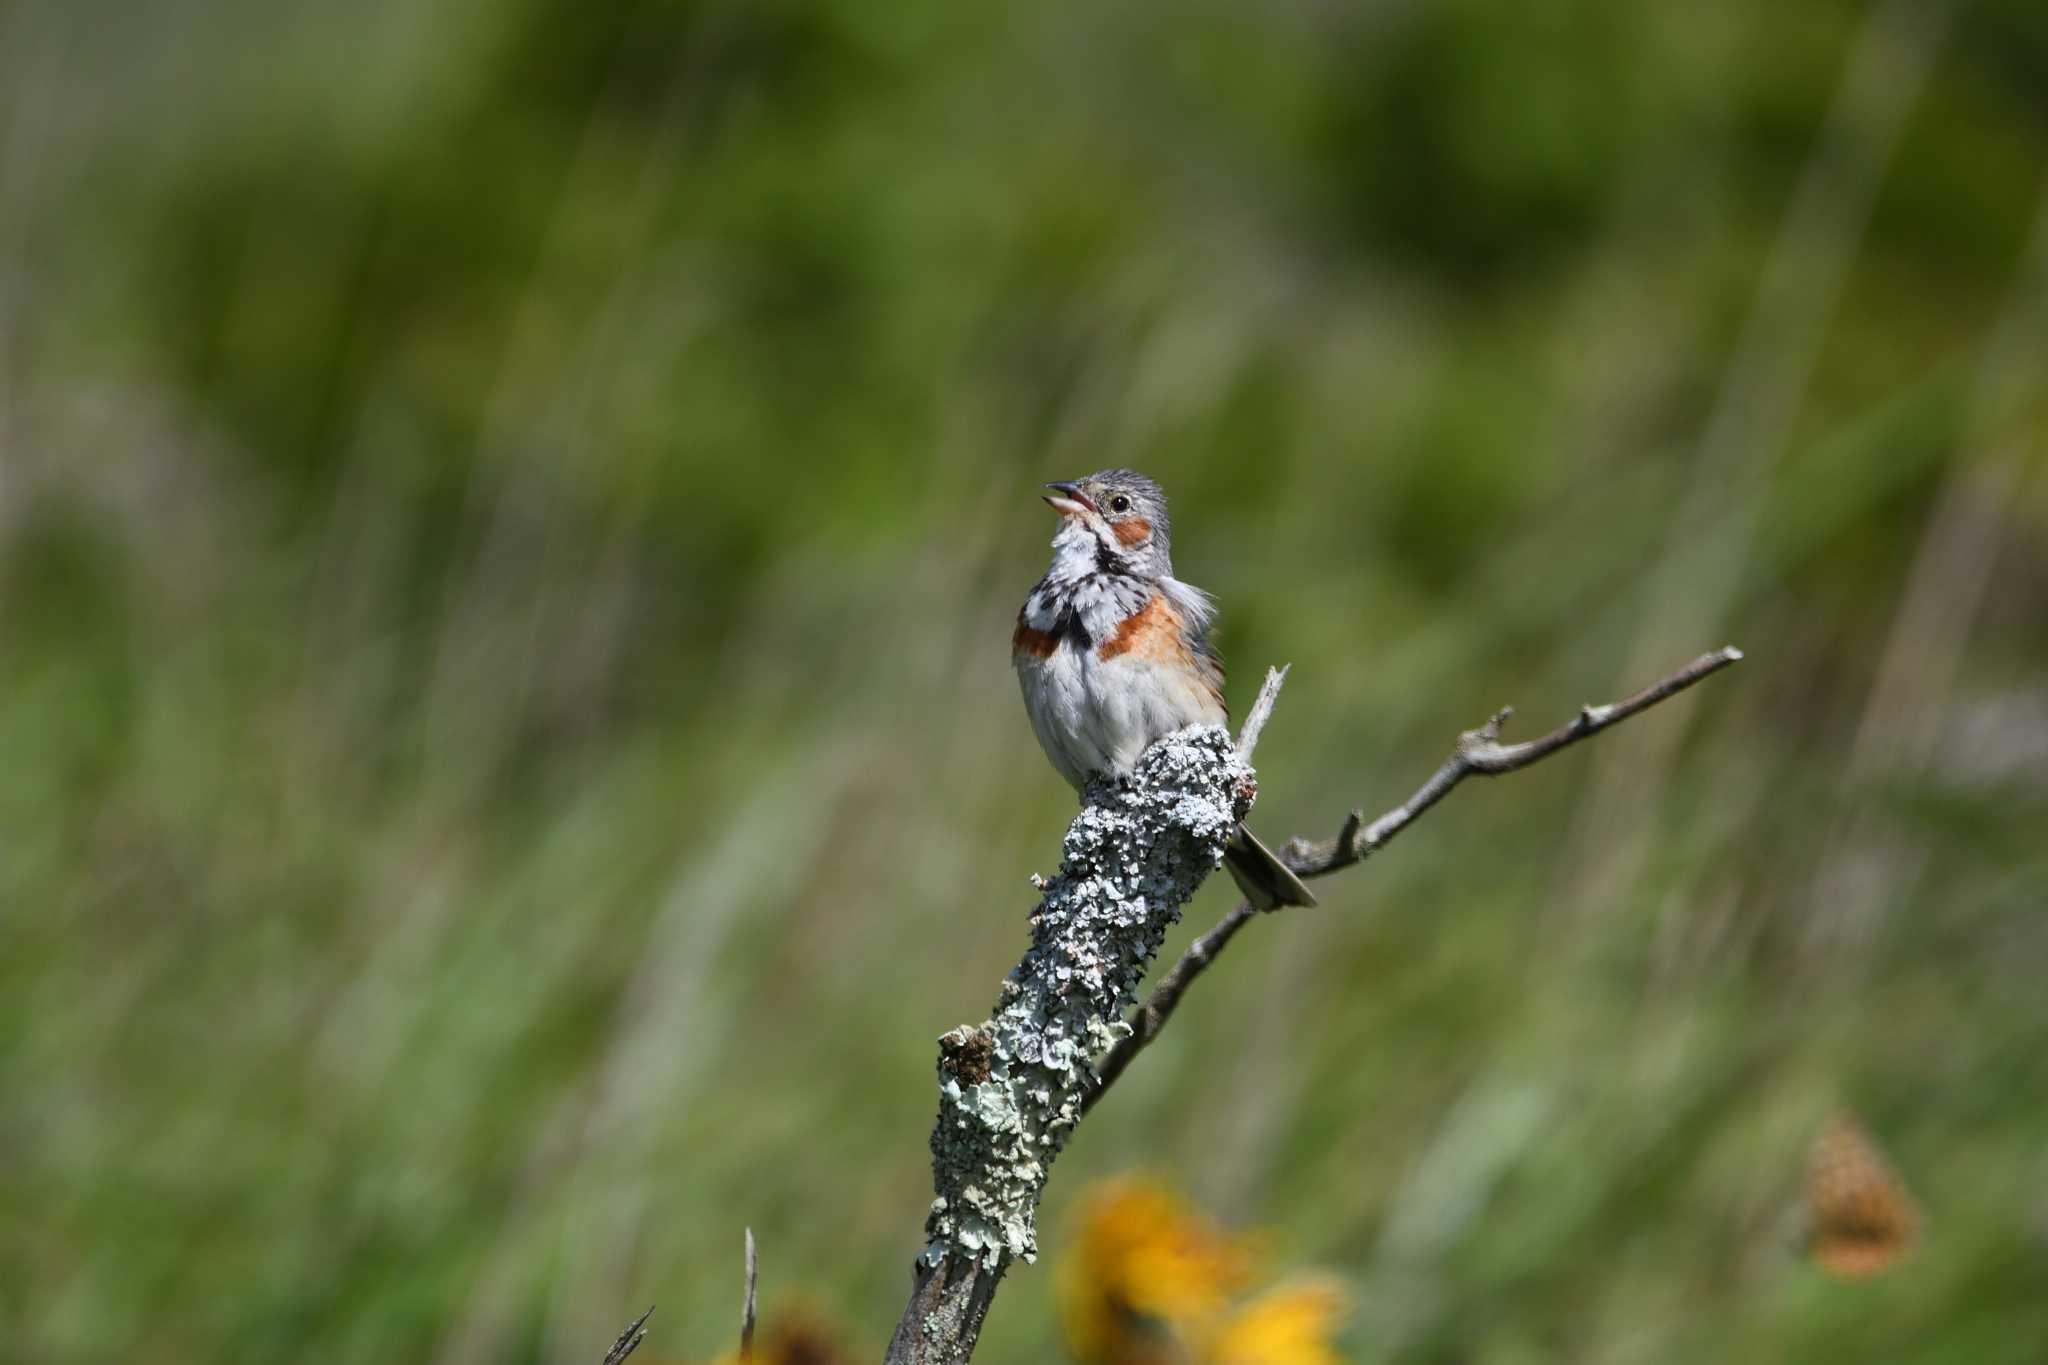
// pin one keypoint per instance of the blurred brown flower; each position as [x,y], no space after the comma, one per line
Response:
[796,1340]
[1863,1220]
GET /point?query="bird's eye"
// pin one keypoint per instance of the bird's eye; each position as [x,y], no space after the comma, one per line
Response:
[1119,503]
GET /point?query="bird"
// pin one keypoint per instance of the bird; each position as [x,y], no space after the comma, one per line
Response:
[1113,652]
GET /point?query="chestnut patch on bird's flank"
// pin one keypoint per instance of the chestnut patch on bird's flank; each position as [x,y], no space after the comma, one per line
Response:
[1139,628]
[1133,531]
[1037,643]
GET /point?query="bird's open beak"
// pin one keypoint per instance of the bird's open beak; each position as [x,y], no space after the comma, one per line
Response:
[1072,502]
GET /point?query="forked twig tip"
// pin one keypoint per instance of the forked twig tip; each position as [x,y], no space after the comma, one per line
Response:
[1262,711]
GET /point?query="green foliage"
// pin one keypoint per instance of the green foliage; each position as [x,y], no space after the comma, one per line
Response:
[510,517]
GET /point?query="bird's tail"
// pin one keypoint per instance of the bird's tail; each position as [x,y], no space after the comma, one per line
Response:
[1263,878]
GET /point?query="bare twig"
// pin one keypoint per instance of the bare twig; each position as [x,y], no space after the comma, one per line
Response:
[1479,751]
[747,1307]
[1261,712]
[630,1339]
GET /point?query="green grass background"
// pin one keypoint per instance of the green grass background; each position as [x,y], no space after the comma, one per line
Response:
[510,516]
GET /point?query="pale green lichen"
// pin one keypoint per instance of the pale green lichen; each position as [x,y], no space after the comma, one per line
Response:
[1011,1090]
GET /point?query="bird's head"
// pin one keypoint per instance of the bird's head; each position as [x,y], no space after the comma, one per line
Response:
[1115,520]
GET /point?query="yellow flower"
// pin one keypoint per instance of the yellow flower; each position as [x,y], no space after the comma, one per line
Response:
[1145,1276]
[1288,1325]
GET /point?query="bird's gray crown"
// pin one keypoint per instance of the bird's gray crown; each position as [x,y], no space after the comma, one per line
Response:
[1147,501]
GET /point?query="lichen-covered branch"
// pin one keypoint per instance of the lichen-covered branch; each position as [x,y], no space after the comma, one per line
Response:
[1012,1088]
[1479,751]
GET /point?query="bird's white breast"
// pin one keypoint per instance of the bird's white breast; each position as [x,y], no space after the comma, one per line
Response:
[1096,714]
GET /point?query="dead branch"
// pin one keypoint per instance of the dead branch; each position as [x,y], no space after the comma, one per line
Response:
[1012,1089]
